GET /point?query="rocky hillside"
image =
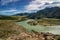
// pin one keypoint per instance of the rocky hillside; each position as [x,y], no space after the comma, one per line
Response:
[53,12]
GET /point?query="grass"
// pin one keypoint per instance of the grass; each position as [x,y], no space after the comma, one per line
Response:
[8,28]
[45,22]
[20,18]
[49,22]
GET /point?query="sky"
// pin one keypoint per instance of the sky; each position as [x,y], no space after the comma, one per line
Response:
[10,7]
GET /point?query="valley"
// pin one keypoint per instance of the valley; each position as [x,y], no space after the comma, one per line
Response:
[15,29]
[42,25]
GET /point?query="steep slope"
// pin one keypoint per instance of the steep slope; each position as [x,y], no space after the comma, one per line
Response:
[53,12]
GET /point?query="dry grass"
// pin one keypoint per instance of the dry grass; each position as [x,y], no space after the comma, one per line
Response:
[45,22]
[8,28]
[49,22]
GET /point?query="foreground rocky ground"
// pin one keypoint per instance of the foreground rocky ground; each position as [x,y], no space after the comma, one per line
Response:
[34,36]
[11,31]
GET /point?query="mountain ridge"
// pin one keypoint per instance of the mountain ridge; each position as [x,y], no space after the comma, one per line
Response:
[53,12]
[48,12]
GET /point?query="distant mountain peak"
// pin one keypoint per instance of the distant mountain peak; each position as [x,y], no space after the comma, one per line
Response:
[48,12]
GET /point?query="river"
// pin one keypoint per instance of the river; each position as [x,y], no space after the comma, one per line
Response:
[40,28]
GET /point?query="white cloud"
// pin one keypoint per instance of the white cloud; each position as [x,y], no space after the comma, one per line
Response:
[40,4]
[55,4]
[5,2]
[9,12]
[56,0]
[12,10]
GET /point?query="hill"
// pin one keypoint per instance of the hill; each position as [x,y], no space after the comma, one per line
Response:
[53,12]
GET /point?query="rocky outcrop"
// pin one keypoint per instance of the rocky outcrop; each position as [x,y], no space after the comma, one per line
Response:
[34,36]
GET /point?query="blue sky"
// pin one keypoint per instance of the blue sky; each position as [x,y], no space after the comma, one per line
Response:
[10,7]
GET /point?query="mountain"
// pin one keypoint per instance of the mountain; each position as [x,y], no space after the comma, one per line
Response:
[48,12]
[21,14]
[53,12]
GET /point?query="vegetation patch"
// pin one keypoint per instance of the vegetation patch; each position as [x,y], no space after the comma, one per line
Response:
[45,22]
[33,23]
[8,28]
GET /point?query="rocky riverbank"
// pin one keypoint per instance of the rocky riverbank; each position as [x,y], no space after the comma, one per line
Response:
[9,30]
[34,36]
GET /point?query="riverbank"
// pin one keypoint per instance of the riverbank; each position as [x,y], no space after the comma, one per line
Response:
[9,30]
[34,36]
[40,28]
[44,22]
